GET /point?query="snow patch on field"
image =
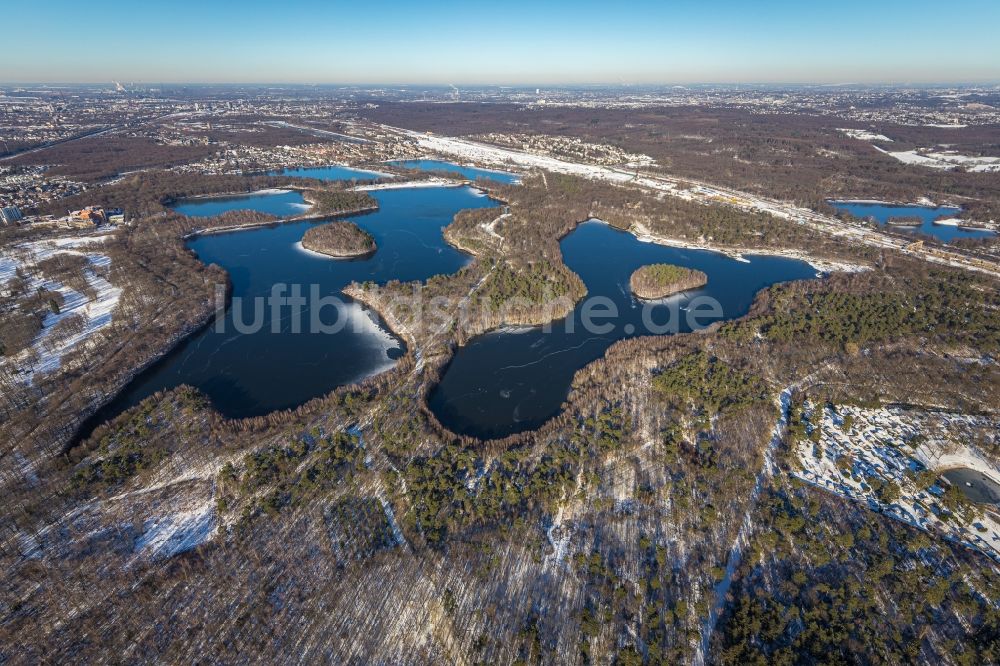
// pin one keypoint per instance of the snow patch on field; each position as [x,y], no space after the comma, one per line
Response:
[559,534]
[177,532]
[96,313]
[479,154]
[945,160]
[8,269]
[864,135]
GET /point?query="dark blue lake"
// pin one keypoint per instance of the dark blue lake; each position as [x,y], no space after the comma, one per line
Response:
[505,382]
[248,374]
[469,172]
[283,203]
[499,383]
[882,213]
[331,172]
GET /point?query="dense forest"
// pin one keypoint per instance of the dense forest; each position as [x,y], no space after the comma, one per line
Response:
[100,158]
[338,202]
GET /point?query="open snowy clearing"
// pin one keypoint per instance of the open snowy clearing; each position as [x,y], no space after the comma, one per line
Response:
[945,160]
[174,533]
[858,451]
[864,135]
[94,310]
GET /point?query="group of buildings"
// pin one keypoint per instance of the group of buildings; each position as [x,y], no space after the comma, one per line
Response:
[92,216]
[85,218]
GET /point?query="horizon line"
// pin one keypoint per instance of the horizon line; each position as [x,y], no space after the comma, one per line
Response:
[527,84]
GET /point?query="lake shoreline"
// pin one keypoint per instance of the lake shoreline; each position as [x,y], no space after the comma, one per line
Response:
[644,235]
[339,240]
[283,172]
[94,419]
[515,177]
[284,220]
[948,218]
[493,363]
[392,334]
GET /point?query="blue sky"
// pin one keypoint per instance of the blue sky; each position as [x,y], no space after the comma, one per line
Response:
[507,42]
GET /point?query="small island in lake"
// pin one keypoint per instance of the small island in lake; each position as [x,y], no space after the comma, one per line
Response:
[339,239]
[661,280]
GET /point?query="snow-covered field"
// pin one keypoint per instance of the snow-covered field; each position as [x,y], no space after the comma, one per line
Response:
[45,354]
[864,135]
[858,449]
[945,160]
[480,154]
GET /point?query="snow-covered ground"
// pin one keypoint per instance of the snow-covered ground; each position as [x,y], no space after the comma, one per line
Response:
[390,517]
[480,154]
[945,160]
[766,472]
[864,135]
[859,448]
[491,227]
[175,533]
[96,313]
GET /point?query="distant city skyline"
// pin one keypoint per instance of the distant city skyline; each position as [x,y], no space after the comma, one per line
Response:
[513,43]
